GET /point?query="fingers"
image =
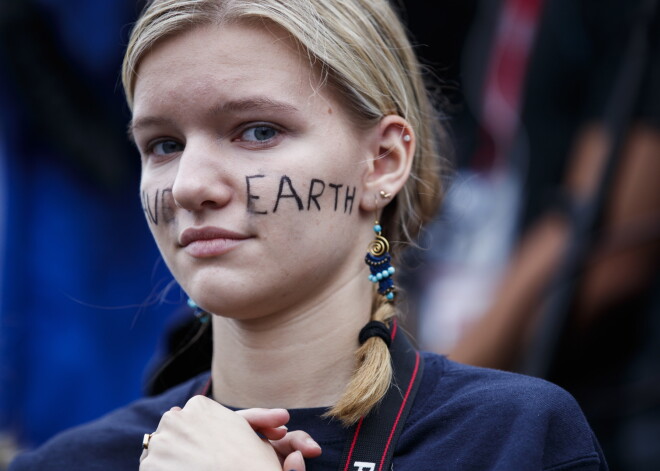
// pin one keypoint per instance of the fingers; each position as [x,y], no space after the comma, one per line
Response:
[146,440]
[266,418]
[268,422]
[273,433]
[297,441]
[294,462]
[214,420]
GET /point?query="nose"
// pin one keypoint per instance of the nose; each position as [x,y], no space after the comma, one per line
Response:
[201,182]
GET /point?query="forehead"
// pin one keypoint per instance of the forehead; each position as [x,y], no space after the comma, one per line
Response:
[227,62]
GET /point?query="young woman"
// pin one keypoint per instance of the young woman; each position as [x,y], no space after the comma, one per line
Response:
[274,135]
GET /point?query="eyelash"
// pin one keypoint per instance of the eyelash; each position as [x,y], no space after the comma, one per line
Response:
[149,150]
[254,144]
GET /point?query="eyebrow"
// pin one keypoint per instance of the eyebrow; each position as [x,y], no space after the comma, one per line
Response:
[232,106]
[147,121]
[253,103]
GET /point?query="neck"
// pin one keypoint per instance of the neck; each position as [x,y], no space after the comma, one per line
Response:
[296,359]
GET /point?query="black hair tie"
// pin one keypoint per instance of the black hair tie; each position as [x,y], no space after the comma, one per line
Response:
[375,329]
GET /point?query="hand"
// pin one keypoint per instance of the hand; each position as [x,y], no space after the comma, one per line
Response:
[291,447]
[205,435]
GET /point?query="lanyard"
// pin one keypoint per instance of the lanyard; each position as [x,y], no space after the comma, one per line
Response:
[370,444]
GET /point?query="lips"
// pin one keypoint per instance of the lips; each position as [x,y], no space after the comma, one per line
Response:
[209,241]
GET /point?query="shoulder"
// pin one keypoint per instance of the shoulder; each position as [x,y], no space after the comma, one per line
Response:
[112,442]
[483,416]
[485,389]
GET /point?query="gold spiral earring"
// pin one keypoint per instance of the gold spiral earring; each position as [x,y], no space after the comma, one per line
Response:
[380,245]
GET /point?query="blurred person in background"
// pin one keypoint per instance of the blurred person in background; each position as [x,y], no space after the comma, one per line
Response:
[554,214]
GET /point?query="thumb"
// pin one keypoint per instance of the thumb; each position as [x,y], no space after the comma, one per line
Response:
[294,462]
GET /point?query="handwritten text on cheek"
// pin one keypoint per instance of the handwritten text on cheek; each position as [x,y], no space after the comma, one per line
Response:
[335,195]
[159,206]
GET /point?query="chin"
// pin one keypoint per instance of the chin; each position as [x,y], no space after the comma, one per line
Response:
[228,299]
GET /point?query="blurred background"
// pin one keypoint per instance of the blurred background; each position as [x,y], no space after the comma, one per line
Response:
[81,279]
[543,259]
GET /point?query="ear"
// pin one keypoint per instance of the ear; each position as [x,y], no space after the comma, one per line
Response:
[389,166]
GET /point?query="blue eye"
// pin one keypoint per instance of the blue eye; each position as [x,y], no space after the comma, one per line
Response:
[166,147]
[259,134]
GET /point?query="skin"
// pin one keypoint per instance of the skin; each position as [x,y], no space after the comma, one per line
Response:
[288,289]
[182,438]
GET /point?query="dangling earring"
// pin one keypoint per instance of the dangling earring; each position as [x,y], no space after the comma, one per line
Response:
[201,315]
[378,258]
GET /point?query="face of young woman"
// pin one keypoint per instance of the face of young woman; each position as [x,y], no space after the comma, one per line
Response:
[251,172]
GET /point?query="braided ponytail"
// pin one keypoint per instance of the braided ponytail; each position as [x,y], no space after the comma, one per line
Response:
[373,373]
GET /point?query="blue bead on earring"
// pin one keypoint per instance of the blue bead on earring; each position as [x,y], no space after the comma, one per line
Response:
[378,258]
[201,315]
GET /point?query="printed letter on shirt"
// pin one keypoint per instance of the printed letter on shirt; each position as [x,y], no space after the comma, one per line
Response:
[362,466]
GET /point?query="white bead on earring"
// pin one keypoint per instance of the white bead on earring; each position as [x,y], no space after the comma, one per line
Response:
[407,138]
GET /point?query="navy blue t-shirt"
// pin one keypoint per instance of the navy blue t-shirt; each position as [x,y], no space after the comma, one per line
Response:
[463,418]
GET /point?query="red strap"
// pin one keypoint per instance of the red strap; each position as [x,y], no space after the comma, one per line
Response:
[355,437]
[401,409]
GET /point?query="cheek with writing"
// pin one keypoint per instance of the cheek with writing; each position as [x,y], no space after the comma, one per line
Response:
[338,197]
[157,206]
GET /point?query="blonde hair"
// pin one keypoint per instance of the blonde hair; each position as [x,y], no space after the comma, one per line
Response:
[363,53]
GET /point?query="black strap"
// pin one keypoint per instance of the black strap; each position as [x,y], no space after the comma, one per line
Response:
[371,441]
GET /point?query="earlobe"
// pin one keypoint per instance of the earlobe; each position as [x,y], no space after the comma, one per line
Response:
[390,165]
